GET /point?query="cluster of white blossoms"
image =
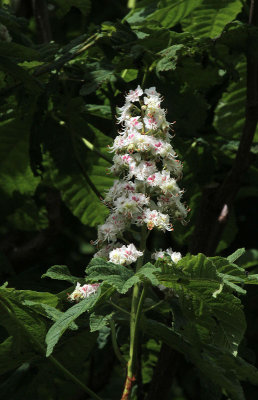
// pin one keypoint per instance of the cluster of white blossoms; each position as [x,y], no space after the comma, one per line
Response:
[175,256]
[125,255]
[81,292]
[146,191]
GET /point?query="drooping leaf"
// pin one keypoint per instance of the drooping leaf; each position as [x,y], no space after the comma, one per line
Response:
[211,16]
[167,13]
[61,272]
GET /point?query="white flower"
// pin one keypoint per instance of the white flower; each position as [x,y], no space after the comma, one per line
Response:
[154,218]
[131,204]
[151,91]
[147,191]
[134,95]
[175,256]
[125,112]
[134,123]
[119,188]
[81,292]
[115,224]
[125,255]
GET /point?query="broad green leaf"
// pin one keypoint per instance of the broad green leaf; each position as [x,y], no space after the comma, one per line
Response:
[215,314]
[68,166]
[118,276]
[69,316]
[166,12]
[48,311]
[148,272]
[63,323]
[211,17]
[62,273]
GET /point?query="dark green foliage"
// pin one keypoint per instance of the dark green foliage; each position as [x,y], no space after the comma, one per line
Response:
[58,113]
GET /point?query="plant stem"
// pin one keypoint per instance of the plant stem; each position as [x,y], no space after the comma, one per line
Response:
[118,307]
[136,308]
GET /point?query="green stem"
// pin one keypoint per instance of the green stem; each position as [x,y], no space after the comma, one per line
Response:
[118,307]
[154,306]
[7,306]
[115,345]
[136,308]
[93,148]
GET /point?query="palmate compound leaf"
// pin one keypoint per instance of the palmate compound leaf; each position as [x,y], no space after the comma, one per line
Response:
[219,365]
[69,316]
[211,17]
[205,302]
[119,277]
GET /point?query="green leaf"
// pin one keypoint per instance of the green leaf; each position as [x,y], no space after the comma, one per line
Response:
[18,51]
[48,311]
[99,321]
[148,272]
[215,363]
[238,253]
[62,273]
[63,323]
[211,17]
[69,160]
[118,276]
[168,13]
[208,309]
[68,317]
[169,58]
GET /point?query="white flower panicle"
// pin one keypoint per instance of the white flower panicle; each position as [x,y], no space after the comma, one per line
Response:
[146,192]
[81,292]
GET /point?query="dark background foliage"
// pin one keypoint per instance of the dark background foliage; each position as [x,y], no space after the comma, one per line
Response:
[65,66]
